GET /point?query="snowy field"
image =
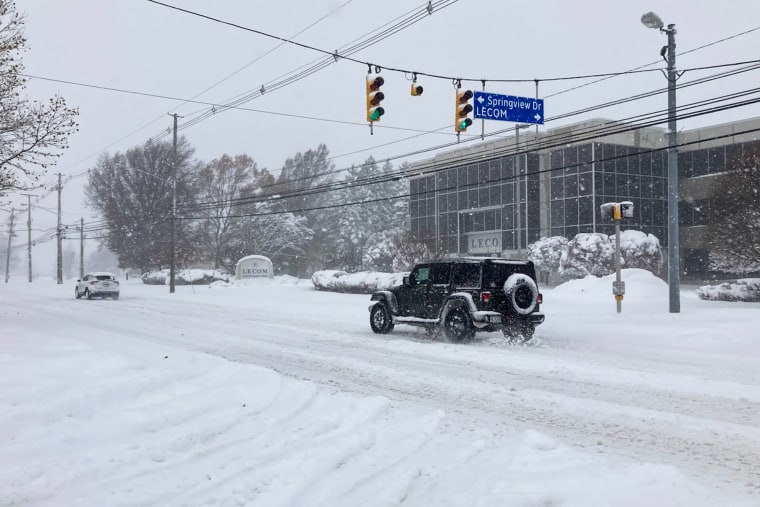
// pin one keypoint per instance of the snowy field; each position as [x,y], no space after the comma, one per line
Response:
[274,394]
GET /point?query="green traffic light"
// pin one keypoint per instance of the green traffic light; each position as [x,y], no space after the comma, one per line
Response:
[464,123]
[376,113]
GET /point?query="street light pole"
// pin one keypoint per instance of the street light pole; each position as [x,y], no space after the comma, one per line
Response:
[651,20]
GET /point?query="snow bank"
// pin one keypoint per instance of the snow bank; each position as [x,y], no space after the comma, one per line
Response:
[364,282]
[744,289]
[185,277]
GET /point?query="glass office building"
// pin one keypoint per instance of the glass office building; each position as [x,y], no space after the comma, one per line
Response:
[488,200]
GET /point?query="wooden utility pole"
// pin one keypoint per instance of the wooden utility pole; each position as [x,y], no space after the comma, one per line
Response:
[174,210]
[59,264]
[29,229]
[8,253]
[81,248]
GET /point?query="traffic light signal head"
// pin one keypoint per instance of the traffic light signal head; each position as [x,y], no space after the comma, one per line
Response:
[374,97]
[416,90]
[463,108]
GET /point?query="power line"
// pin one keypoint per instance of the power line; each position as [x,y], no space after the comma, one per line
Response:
[436,167]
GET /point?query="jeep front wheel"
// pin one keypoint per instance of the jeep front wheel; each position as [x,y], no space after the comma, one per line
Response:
[380,319]
[458,326]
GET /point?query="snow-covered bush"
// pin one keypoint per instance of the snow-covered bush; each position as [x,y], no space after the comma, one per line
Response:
[185,277]
[639,250]
[588,254]
[745,289]
[356,283]
[546,254]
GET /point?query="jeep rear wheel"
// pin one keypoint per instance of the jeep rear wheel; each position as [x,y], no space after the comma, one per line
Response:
[458,326]
[380,319]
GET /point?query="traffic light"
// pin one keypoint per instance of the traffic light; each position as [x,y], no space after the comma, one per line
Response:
[416,89]
[463,108]
[374,97]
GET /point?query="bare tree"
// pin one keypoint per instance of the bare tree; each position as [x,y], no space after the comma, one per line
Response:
[222,184]
[733,233]
[31,133]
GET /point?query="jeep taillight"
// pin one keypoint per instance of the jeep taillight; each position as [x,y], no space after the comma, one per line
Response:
[540,298]
[485,297]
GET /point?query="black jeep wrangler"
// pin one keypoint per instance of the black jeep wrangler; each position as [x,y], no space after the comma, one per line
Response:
[461,296]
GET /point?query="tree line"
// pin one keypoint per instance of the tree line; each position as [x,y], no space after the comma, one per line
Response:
[230,207]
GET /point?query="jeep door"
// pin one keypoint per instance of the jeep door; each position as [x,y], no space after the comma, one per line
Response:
[438,289]
[411,298]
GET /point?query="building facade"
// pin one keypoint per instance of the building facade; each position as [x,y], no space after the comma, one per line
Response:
[497,197]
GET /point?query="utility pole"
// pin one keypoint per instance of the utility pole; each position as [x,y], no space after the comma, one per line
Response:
[59,264]
[81,248]
[29,229]
[8,253]
[174,210]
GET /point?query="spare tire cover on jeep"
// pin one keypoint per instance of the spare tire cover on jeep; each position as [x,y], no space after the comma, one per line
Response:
[521,292]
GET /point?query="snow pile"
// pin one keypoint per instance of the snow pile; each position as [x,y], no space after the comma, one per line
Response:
[364,282]
[642,289]
[258,281]
[744,289]
[185,277]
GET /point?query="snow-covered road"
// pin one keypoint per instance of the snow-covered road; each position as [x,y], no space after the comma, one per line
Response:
[642,386]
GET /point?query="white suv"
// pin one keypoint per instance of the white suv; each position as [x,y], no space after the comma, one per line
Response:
[98,284]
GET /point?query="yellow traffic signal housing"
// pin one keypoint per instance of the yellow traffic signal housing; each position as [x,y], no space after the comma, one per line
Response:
[416,90]
[463,108]
[374,97]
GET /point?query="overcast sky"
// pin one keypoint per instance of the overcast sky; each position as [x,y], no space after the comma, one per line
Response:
[143,47]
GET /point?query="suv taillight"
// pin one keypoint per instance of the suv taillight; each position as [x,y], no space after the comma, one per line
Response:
[485,297]
[540,298]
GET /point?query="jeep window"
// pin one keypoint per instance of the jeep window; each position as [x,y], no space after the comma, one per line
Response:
[421,274]
[498,272]
[439,274]
[466,276]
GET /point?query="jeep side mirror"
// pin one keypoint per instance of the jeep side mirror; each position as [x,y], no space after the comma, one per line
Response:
[406,281]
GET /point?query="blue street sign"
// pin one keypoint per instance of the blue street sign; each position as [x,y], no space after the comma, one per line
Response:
[492,106]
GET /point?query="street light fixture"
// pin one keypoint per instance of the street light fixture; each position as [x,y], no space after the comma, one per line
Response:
[652,20]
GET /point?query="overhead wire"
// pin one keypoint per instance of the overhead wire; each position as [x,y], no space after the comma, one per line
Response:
[433,168]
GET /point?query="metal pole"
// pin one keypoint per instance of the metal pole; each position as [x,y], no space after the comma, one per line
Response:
[174,209]
[674,268]
[8,252]
[517,186]
[59,263]
[618,300]
[81,248]
[29,232]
